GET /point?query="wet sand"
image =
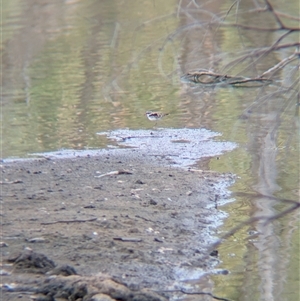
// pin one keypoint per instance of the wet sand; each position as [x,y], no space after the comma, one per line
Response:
[111,217]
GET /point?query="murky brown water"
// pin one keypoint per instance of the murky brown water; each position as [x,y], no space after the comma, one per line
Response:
[71,69]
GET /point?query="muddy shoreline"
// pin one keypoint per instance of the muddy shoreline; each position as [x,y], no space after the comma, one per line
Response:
[111,216]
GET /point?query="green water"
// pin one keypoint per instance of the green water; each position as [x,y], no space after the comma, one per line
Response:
[71,69]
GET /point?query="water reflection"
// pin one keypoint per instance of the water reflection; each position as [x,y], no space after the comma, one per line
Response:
[75,68]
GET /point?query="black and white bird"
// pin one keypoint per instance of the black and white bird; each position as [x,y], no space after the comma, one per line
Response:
[155,116]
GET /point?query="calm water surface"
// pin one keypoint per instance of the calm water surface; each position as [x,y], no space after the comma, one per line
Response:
[71,69]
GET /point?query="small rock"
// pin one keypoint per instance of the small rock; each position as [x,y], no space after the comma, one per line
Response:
[223,272]
[37,240]
[32,262]
[101,297]
[152,202]
[64,270]
[89,206]
[214,253]
[4,273]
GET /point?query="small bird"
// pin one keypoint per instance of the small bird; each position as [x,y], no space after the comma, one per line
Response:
[155,116]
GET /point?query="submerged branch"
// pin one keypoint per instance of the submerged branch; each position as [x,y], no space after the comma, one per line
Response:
[211,78]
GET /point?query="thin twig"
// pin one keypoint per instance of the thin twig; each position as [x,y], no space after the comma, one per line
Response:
[115,172]
[70,221]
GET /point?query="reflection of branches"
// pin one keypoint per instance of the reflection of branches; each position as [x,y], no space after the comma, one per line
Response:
[247,27]
[218,21]
[271,48]
[261,100]
[275,54]
[185,292]
[271,9]
[267,219]
[263,50]
[209,25]
[268,8]
[282,63]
